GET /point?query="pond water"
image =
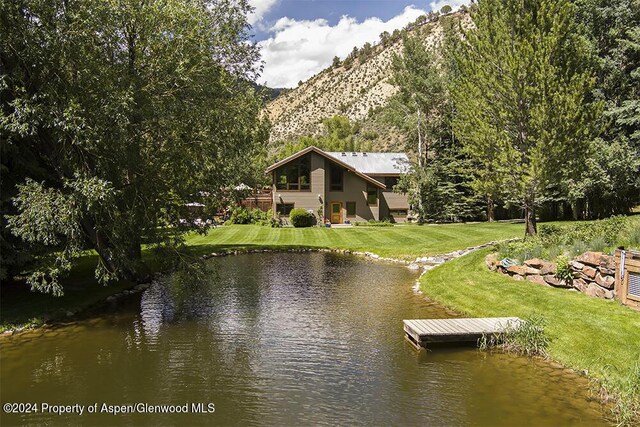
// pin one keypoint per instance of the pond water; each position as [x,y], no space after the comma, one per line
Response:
[273,339]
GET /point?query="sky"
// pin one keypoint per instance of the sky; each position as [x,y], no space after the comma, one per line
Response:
[299,38]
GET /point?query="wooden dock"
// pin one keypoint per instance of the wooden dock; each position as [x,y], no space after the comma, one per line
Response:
[423,332]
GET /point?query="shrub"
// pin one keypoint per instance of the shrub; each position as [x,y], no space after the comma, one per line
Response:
[527,338]
[563,269]
[301,218]
[242,215]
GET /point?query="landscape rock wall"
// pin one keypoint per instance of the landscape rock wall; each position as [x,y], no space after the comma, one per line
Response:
[593,273]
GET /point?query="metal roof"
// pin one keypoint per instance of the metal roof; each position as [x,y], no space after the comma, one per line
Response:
[374,163]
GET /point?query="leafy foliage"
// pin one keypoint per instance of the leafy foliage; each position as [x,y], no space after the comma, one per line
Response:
[301,218]
[114,116]
[521,95]
[438,187]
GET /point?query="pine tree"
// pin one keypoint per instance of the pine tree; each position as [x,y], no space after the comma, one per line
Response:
[522,98]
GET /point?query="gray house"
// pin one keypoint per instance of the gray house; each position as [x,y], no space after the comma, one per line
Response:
[348,186]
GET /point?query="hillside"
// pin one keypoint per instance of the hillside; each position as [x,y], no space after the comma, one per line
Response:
[356,88]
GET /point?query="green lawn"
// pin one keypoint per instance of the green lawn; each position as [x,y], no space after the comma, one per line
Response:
[20,307]
[403,241]
[599,336]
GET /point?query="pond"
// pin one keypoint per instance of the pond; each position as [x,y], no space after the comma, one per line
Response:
[273,339]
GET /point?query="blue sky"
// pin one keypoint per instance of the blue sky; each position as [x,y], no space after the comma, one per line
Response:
[299,38]
[332,11]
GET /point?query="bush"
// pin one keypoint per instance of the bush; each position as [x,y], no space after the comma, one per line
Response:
[242,215]
[301,218]
[563,269]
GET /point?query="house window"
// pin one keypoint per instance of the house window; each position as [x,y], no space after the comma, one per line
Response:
[351,209]
[398,212]
[295,175]
[336,179]
[390,181]
[284,209]
[372,195]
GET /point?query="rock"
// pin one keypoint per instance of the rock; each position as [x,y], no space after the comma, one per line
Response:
[111,298]
[591,258]
[414,267]
[69,313]
[545,267]
[535,263]
[580,285]
[518,277]
[577,265]
[608,262]
[538,279]
[554,281]
[522,270]
[7,333]
[605,281]
[607,271]
[594,290]
[590,272]
[492,261]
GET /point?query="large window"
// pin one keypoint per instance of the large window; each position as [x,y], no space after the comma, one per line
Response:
[295,175]
[336,178]
[351,209]
[372,195]
[284,209]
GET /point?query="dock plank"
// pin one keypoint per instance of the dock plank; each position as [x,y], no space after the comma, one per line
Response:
[423,331]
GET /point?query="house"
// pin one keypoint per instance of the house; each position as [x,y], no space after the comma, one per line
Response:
[343,186]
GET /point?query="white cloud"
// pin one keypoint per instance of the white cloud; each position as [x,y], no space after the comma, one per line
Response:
[455,4]
[261,7]
[299,49]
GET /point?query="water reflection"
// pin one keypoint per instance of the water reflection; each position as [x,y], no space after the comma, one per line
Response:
[285,339]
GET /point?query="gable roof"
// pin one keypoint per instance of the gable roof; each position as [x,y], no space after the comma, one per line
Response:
[375,163]
[327,156]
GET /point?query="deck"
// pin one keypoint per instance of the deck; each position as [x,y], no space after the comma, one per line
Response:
[425,331]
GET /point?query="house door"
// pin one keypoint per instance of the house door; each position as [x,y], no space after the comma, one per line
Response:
[336,212]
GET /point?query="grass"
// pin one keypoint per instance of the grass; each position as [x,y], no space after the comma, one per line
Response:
[402,242]
[19,307]
[597,336]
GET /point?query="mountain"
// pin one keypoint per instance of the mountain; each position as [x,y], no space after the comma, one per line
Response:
[357,87]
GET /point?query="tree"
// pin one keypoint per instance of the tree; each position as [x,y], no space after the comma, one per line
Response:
[336,61]
[446,9]
[130,109]
[612,29]
[421,110]
[522,97]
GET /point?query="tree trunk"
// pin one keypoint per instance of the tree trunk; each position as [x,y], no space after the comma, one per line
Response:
[530,220]
[491,215]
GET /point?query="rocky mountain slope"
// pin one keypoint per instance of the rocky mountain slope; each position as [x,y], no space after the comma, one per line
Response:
[356,88]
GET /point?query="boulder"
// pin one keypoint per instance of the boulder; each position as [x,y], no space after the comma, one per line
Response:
[580,285]
[594,290]
[608,262]
[492,261]
[545,267]
[517,277]
[605,281]
[607,271]
[535,263]
[554,281]
[536,278]
[590,272]
[591,258]
[577,265]
[522,270]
